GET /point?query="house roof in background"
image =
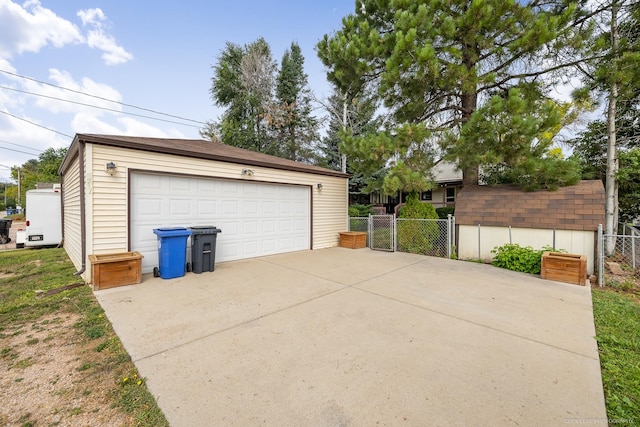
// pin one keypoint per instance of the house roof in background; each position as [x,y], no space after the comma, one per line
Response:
[446,172]
[196,148]
[577,207]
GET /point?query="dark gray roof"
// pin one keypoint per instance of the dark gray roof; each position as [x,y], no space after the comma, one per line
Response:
[196,148]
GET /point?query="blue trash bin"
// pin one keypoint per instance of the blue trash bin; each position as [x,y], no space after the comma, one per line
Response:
[172,252]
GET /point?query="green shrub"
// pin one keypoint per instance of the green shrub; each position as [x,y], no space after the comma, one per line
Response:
[417,237]
[444,212]
[360,210]
[514,257]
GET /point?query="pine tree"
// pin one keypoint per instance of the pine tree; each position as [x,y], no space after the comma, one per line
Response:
[435,63]
[297,128]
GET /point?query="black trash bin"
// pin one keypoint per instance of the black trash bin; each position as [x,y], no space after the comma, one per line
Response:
[5,226]
[203,248]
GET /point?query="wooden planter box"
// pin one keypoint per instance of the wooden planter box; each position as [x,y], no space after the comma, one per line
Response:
[353,239]
[111,270]
[562,267]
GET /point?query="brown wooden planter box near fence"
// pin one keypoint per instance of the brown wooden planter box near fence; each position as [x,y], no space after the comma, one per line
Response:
[111,270]
[353,239]
[563,267]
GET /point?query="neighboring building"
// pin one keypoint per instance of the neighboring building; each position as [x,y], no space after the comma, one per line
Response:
[447,180]
[117,189]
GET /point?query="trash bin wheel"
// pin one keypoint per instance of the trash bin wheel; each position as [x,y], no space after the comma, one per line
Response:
[156,272]
[188,267]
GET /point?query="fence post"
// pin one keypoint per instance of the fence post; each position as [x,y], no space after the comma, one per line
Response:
[600,256]
[449,236]
[479,256]
[510,241]
[370,231]
[633,249]
[453,235]
[395,233]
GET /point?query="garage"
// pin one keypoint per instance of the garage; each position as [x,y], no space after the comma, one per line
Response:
[256,218]
[116,189]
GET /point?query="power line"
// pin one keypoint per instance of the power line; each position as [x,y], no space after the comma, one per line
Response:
[101,98]
[35,124]
[95,106]
[21,146]
[17,151]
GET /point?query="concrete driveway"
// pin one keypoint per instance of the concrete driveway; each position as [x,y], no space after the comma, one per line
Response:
[342,337]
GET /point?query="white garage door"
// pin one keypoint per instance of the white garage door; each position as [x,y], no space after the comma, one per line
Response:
[256,219]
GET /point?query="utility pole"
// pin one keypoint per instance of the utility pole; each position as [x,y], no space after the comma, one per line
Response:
[18,201]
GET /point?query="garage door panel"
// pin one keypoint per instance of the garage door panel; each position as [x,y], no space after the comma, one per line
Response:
[146,206]
[256,218]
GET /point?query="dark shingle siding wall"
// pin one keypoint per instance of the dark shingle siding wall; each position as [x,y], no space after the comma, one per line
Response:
[579,207]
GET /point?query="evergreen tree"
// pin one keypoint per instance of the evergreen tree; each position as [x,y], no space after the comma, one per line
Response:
[297,128]
[435,63]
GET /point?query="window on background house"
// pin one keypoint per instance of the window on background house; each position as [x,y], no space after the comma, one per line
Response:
[426,195]
[451,195]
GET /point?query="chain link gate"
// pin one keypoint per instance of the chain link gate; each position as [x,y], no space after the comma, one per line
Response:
[382,232]
[432,237]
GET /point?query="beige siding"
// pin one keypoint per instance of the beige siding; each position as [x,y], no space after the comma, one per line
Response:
[109,193]
[71,200]
[572,241]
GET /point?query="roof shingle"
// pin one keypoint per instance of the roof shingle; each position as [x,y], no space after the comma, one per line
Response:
[577,207]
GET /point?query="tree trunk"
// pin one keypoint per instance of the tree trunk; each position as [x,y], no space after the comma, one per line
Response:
[469,105]
[343,157]
[611,185]
[469,101]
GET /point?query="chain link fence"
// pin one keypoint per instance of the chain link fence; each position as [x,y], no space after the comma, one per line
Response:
[423,236]
[626,252]
[432,237]
[627,245]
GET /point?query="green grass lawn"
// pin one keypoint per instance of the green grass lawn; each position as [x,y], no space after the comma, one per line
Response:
[24,272]
[617,321]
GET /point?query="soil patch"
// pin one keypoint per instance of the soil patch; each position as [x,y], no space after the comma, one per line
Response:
[51,376]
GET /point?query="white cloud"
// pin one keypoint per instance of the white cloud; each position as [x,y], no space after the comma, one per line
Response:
[30,27]
[97,37]
[91,16]
[134,127]
[66,80]
[88,122]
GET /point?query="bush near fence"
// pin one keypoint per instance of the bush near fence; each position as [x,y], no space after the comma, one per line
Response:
[417,237]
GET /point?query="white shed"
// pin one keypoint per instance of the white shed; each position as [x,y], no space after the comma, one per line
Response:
[117,189]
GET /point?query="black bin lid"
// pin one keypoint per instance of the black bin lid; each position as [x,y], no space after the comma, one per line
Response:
[205,229]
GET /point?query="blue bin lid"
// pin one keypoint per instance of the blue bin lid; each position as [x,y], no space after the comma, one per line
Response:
[171,231]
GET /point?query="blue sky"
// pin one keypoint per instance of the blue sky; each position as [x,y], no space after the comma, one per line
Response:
[155,55]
